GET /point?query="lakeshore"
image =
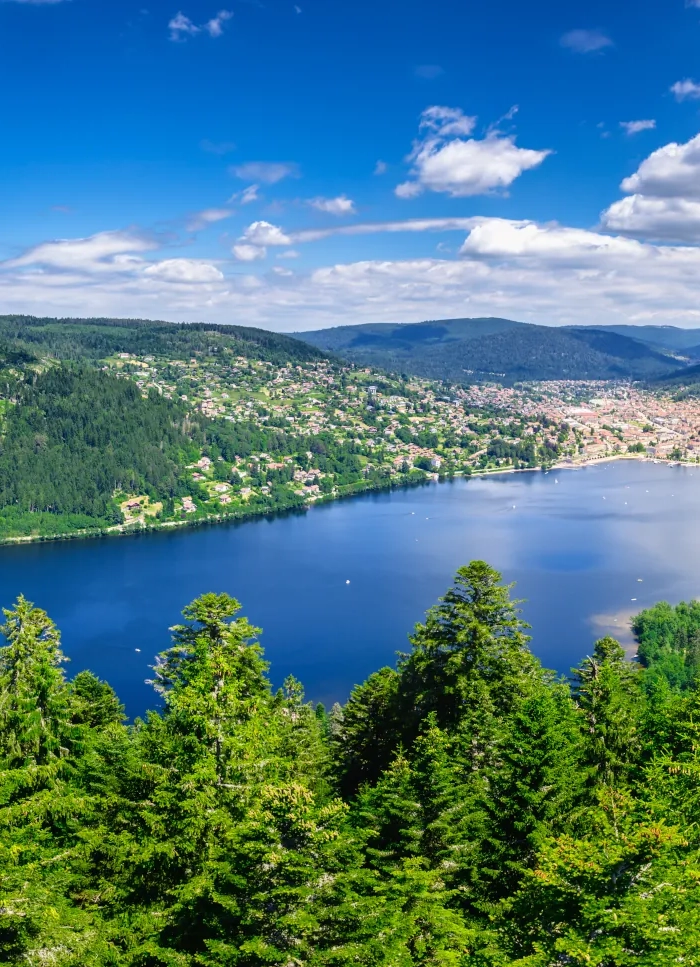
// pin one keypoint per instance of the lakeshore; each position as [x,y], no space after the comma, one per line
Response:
[576,549]
[137,529]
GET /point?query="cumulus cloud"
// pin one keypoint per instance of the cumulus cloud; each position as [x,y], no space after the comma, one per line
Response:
[670,171]
[184,271]
[380,168]
[506,239]
[264,233]
[686,90]
[663,196]
[342,205]
[444,162]
[201,219]
[521,269]
[268,172]
[254,242]
[181,26]
[585,41]
[661,218]
[249,253]
[634,127]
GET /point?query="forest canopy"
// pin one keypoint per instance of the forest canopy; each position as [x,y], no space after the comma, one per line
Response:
[466,807]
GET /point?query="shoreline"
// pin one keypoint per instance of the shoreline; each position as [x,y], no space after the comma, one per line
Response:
[122,530]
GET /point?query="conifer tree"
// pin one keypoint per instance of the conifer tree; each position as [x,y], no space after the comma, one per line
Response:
[366,731]
[608,692]
[41,809]
[535,789]
[468,656]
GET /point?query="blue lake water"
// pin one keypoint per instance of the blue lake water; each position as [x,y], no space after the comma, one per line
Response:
[576,542]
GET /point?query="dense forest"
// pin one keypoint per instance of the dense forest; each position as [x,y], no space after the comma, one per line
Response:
[74,436]
[466,807]
[468,350]
[78,339]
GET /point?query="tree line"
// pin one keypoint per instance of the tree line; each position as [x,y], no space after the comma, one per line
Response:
[466,807]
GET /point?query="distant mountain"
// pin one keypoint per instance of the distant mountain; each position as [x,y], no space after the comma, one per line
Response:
[685,341]
[462,350]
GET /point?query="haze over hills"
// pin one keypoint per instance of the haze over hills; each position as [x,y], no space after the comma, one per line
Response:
[466,349]
[686,341]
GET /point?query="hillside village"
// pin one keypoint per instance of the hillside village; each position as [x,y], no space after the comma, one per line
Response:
[393,430]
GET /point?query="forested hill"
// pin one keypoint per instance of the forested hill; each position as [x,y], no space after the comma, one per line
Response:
[97,338]
[79,439]
[463,809]
[464,350]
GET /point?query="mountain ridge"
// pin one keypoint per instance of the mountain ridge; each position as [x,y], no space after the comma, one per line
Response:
[464,350]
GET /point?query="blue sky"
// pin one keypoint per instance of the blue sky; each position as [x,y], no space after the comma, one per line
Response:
[297,165]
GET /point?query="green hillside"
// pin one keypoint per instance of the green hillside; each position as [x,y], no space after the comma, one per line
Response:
[97,338]
[461,350]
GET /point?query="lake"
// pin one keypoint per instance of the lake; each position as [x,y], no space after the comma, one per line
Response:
[587,549]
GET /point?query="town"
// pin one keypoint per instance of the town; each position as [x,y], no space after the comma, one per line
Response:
[349,429]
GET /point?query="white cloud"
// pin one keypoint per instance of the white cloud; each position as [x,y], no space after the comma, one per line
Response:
[677,219]
[670,171]
[686,90]
[445,121]
[428,72]
[249,253]
[247,196]
[181,26]
[663,196]
[290,253]
[263,233]
[215,26]
[634,127]
[445,163]
[342,205]
[254,242]
[375,228]
[585,41]
[268,172]
[207,217]
[184,270]
[380,168]
[503,239]
[250,194]
[541,273]
[104,252]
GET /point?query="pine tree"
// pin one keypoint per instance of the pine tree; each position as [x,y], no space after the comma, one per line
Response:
[365,733]
[535,789]
[468,657]
[607,689]
[41,807]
